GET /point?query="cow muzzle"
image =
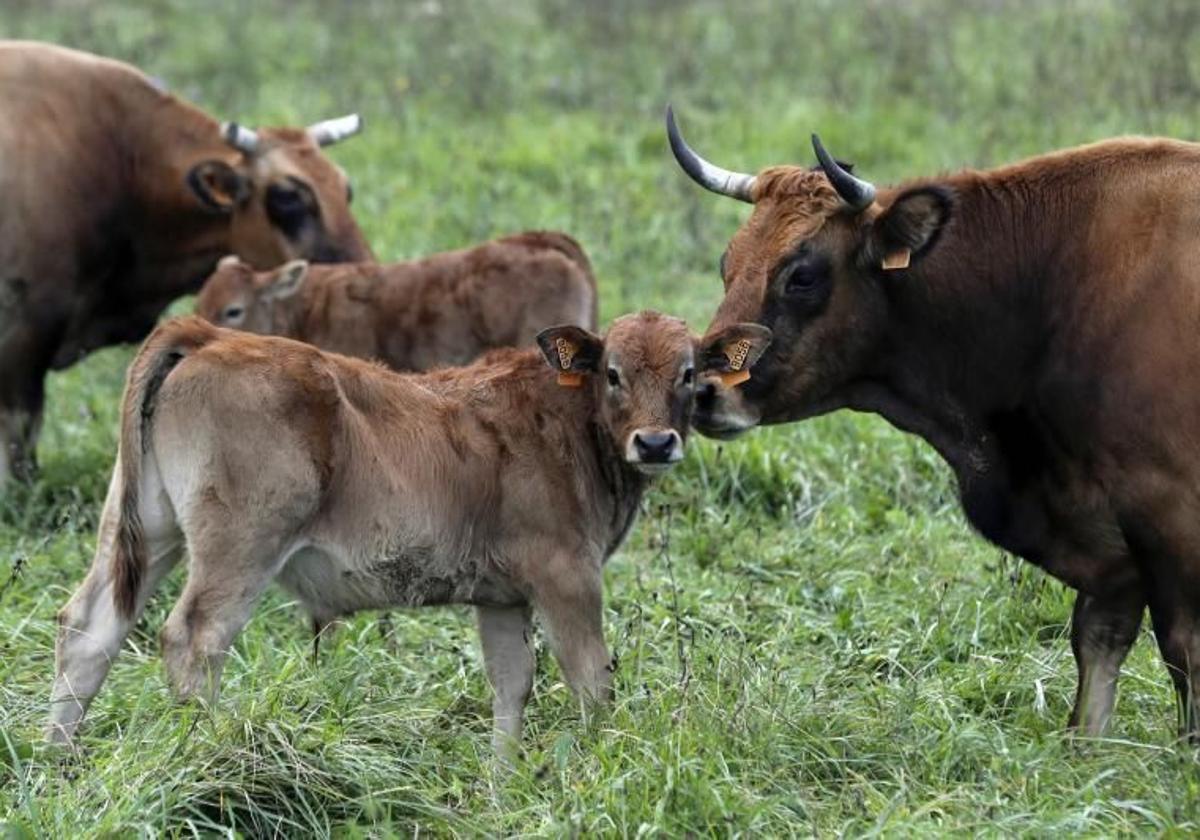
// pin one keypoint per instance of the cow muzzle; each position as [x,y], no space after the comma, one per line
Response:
[722,412]
[654,451]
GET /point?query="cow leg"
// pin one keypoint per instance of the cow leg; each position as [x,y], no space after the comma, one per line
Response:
[26,352]
[1178,633]
[90,629]
[504,637]
[570,601]
[226,577]
[1102,632]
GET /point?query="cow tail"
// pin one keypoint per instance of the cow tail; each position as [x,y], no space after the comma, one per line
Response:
[164,349]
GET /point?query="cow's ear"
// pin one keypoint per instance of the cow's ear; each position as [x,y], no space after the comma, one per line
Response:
[731,352]
[572,351]
[909,227]
[287,280]
[218,185]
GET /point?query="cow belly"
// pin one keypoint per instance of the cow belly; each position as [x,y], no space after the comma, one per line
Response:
[331,584]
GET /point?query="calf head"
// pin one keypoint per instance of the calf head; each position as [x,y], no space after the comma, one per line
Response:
[284,198]
[814,263]
[642,374]
[238,297]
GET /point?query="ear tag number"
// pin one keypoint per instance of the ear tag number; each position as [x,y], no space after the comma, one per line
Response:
[897,259]
[566,354]
[736,353]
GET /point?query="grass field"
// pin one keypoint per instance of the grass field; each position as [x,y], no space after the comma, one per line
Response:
[811,640]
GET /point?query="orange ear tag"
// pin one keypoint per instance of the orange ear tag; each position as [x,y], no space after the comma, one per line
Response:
[736,353]
[733,377]
[566,354]
[897,259]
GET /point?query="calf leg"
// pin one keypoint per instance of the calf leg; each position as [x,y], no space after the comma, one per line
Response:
[1102,632]
[504,637]
[569,599]
[226,576]
[90,628]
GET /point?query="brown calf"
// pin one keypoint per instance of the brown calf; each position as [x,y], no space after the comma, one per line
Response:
[359,488]
[441,310]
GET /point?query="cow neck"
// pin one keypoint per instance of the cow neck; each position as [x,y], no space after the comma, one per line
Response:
[164,138]
[968,323]
[622,486]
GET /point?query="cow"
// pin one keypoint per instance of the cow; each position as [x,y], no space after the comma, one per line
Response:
[1036,325]
[505,485]
[445,309]
[120,197]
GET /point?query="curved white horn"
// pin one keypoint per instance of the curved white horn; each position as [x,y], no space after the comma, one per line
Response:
[739,185]
[241,138]
[328,132]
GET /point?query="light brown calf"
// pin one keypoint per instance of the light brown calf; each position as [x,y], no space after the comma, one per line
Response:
[498,485]
[442,310]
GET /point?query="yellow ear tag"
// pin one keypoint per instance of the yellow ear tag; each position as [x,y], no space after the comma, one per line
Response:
[736,353]
[897,259]
[566,354]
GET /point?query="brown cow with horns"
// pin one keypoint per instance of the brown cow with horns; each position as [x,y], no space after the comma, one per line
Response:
[119,198]
[1036,324]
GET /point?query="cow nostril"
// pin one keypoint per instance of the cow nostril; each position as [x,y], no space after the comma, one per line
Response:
[654,446]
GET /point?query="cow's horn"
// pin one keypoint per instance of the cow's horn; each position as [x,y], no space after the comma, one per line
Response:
[328,132]
[737,185]
[241,138]
[854,191]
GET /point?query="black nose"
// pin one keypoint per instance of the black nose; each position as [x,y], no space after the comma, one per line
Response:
[654,447]
[706,397]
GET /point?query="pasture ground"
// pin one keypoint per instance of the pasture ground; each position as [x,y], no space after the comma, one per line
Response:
[811,641]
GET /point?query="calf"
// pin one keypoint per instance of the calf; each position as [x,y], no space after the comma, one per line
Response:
[442,310]
[497,485]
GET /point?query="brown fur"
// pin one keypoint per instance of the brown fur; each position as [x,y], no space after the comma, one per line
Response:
[1042,340]
[102,226]
[441,310]
[357,488]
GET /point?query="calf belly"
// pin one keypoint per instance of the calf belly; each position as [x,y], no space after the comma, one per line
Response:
[333,583]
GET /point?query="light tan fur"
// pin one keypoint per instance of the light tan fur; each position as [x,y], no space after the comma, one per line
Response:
[359,488]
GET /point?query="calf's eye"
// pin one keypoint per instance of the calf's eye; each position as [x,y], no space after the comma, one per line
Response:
[614,378]
[232,313]
[689,376]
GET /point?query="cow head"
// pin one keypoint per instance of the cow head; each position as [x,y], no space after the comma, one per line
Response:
[813,263]
[284,198]
[238,297]
[642,375]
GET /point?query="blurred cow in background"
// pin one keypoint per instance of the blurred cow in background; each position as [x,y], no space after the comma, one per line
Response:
[118,198]
[445,309]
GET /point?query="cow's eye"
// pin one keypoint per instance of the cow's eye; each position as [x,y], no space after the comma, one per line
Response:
[232,313]
[689,376]
[614,378]
[802,278]
[288,206]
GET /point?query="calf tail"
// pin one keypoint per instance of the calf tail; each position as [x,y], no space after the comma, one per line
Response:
[163,350]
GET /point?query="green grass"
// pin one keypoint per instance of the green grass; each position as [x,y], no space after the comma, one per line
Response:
[811,640]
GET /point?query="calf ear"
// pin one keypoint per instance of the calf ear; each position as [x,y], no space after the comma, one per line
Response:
[908,227]
[288,280]
[218,185]
[572,351]
[731,352]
